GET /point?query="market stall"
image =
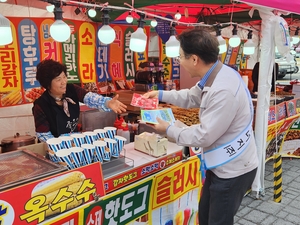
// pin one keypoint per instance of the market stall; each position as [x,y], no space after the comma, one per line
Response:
[134,187]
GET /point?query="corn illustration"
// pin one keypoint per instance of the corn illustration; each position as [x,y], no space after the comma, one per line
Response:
[72,188]
[75,203]
[12,98]
[59,182]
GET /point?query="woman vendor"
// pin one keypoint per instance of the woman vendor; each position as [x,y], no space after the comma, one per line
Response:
[56,112]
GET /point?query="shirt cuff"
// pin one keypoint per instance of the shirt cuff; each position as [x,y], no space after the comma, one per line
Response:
[160,95]
[168,129]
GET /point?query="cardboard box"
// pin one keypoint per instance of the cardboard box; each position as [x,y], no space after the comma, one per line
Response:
[39,148]
[151,144]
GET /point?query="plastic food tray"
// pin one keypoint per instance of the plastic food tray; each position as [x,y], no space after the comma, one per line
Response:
[22,166]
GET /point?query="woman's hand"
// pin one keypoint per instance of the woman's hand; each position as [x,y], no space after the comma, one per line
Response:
[115,105]
[151,94]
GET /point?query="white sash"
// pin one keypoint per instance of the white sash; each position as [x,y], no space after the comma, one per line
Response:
[225,153]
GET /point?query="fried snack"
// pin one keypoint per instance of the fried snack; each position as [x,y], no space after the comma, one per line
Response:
[186,116]
[56,183]
[12,98]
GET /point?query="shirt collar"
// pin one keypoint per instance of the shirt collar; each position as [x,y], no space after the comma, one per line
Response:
[202,82]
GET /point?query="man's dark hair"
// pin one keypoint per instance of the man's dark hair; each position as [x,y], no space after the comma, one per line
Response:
[47,70]
[201,43]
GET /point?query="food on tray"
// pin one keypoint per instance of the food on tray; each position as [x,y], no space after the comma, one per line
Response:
[33,93]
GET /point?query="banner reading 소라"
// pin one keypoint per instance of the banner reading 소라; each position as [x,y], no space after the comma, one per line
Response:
[97,67]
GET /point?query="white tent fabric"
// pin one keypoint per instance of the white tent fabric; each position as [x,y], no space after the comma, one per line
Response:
[267,57]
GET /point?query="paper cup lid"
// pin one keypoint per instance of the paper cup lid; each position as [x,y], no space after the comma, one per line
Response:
[77,135]
[63,152]
[110,140]
[76,149]
[54,141]
[100,131]
[110,128]
[66,138]
[120,138]
[89,133]
[99,143]
[87,146]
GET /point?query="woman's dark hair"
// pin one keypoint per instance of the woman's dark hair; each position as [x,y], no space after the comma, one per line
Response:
[201,43]
[47,70]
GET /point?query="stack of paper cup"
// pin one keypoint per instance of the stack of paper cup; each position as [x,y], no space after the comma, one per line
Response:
[111,150]
[100,147]
[77,156]
[120,144]
[67,141]
[90,137]
[111,132]
[88,152]
[101,134]
[54,145]
[65,158]
[79,139]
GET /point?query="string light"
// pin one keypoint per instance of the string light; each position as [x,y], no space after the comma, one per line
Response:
[172,45]
[221,40]
[153,23]
[235,40]
[50,8]
[249,47]
[106,33]
[5,31]
[129,18]
[177,15]
[59,30]
[138,39]
[92,12]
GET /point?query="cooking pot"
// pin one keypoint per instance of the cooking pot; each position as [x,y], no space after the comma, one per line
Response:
[12,143]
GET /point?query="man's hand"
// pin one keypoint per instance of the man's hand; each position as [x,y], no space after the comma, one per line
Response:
[162,126]
[115,105]
[150,94]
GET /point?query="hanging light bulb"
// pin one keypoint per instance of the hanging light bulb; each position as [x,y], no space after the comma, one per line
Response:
[5,31]
[138,39]
[92,12]
[172,45]
[221,40]
[59,30]
[106,34]
[153,23]
[129,18]
[296,37]
[177,15]
[50,8]
[235,40]
[249,47]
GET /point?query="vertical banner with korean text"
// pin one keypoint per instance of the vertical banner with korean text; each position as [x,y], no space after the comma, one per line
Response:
[70,54]
[87,54]
[10,69]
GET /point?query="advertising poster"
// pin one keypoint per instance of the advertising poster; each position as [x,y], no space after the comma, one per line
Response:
[40,200]
[168,197]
